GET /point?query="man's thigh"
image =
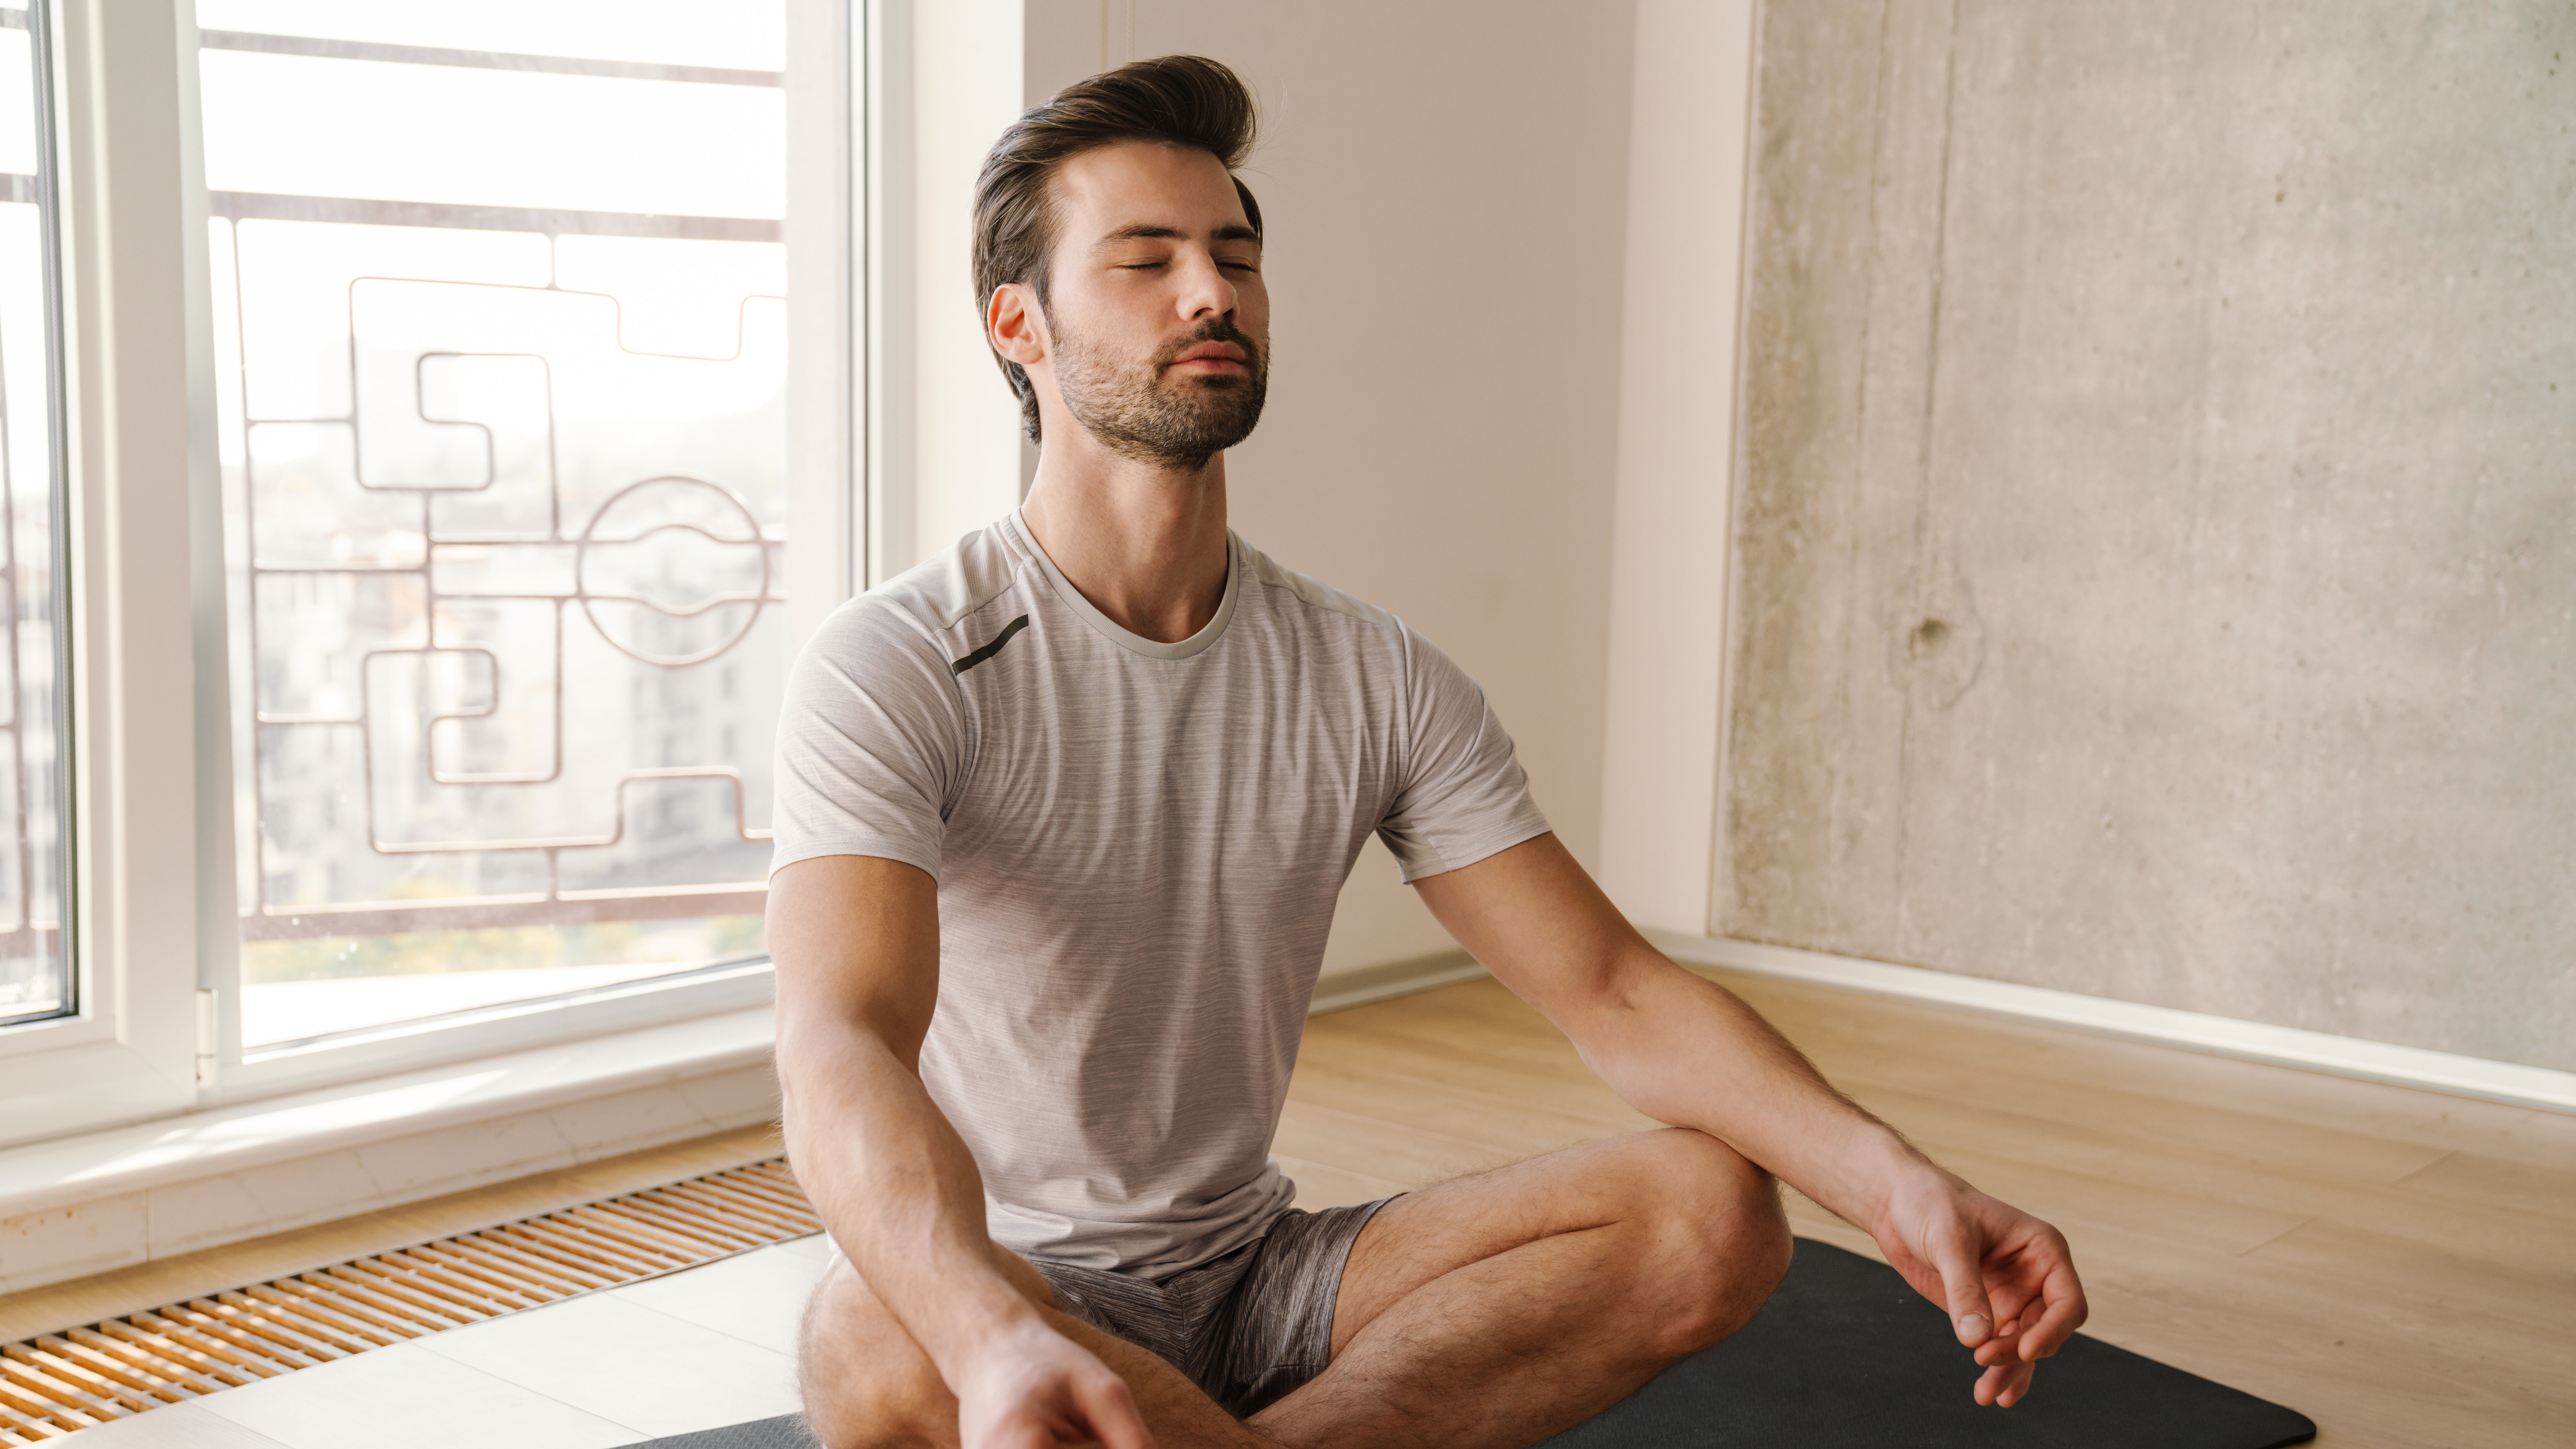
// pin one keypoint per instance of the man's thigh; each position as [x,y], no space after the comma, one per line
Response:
[1676,1193]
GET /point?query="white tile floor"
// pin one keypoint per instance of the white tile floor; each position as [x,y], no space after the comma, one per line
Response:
[710,1346]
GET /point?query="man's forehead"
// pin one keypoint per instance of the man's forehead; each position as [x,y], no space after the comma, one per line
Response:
[1143,188]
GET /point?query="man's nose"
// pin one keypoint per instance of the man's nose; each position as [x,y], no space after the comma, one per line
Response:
[1205,291]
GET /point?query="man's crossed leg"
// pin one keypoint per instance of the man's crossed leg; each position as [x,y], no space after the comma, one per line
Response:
[1491,1311]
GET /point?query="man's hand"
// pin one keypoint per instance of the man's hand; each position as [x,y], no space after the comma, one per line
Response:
[2006,1278]
[1032,1388]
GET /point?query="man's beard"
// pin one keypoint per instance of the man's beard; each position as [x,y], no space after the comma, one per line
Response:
[1137,412]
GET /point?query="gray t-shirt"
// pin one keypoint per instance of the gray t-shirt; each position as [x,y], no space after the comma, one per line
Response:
[1138,848]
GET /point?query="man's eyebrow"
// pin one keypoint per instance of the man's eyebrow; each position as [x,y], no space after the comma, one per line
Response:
[1154,231]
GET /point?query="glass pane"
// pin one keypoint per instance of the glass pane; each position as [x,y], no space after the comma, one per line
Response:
[728,33]
[435,132]
[35,980]
[501,356]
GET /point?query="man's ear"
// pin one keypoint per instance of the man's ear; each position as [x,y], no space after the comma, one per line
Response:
[1014,324]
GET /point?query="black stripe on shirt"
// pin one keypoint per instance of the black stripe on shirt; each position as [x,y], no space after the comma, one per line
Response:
[989,650]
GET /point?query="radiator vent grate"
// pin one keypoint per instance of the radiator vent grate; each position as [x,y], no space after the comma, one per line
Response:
[52,1385]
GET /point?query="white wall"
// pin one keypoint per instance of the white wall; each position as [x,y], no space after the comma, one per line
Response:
[1691,108]
[822,383]
[1443,187]
[944,444]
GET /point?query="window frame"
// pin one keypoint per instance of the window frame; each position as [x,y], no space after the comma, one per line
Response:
[156,1025]
[128,1048]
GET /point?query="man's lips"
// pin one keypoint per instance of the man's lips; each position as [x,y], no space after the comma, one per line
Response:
[1211,355]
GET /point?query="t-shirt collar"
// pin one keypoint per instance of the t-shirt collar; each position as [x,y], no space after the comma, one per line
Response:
[1208,634]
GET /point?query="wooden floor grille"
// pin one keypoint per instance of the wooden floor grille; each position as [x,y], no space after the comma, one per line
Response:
[52,1385]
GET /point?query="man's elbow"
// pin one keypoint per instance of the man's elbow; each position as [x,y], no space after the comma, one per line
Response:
[1622,1023]
[816,1043]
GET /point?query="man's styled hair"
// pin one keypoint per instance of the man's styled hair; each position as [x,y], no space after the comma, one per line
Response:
[1178,100]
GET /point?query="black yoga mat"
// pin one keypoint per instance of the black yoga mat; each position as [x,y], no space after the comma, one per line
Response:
[1846,1356]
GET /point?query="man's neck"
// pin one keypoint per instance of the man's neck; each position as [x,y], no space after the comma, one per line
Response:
[1146,545]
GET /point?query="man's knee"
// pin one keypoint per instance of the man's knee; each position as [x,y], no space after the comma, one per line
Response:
[1720,1242]
[864,1382]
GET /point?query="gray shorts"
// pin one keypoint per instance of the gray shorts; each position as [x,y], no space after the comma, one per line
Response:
[1247,1327]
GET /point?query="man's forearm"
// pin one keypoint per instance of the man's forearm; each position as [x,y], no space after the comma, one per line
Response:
[896,1187]
[1687,1051]
[1677,1048]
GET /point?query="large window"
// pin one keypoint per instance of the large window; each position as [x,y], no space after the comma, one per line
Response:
[404,523]
[35,979]
[500,349]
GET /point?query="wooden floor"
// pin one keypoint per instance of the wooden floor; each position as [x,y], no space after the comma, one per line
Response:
[2398,1265]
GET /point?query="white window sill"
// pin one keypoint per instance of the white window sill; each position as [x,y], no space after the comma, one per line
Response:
[85,1204]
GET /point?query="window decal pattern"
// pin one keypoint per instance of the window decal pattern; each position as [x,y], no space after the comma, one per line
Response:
[506,517]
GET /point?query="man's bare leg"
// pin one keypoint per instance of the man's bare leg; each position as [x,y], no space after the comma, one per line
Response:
[1496,1310]
[1492,1311]
[867,1385]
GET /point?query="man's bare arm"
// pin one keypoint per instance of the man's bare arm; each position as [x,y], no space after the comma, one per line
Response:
[1686,1051]
[856,942]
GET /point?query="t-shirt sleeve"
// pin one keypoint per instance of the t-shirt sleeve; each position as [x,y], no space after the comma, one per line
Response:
[871,738]
[1463,796]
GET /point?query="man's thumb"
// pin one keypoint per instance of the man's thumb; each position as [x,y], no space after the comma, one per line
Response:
[1963,1283]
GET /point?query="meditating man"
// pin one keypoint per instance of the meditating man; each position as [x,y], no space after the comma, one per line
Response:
[1062,815]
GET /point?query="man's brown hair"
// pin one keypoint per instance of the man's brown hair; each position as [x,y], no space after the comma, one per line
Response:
[1178,100]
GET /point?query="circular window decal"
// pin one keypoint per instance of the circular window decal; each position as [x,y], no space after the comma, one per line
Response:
[635,527]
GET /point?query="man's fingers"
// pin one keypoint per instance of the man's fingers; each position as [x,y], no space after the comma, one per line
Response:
[2065,1313]
[1109,1411]
[2016,1385]
[2004,1384]
[1019,1431]
[2017,1316]
[2055,1327]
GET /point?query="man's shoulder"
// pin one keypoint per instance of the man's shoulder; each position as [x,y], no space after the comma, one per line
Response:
[938,599]
[1306,595]
[918,623]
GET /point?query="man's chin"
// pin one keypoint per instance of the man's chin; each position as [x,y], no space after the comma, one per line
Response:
[1221,419]
[1207,384]
[1189,451]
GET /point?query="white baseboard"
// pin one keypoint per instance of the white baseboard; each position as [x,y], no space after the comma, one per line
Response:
[2289,1046]
[1345,989]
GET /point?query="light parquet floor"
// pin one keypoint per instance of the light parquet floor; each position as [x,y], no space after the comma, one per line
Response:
[2396,1264]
